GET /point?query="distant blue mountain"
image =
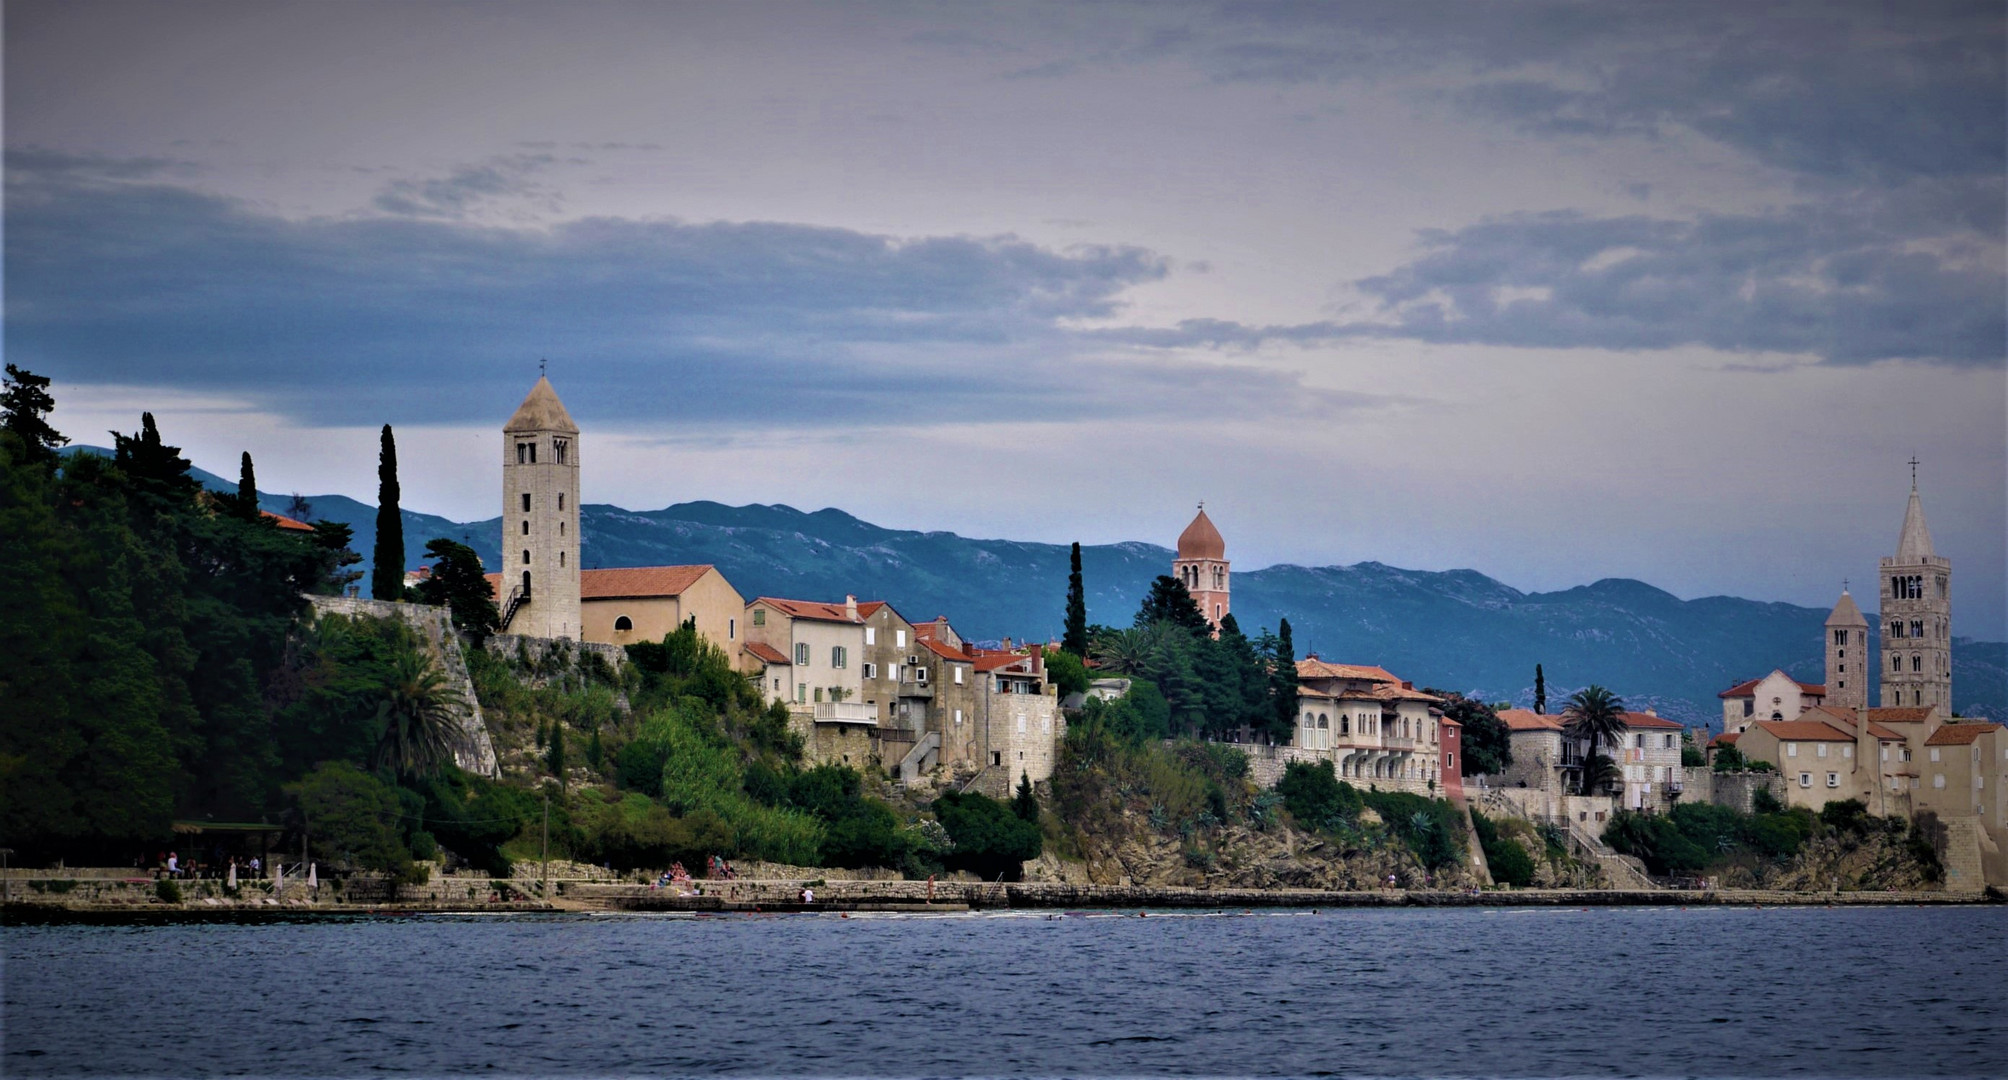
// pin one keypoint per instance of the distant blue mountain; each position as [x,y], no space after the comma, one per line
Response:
[1454,629]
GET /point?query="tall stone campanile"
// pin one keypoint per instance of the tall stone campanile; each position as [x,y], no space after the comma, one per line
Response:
[1848,659]
[540,518]
[1916,616]
[1201,565]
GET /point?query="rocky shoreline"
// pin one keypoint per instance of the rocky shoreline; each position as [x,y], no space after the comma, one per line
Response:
[841,896]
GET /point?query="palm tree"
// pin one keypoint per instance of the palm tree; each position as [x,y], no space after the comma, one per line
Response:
[420,711]
[1597,717]
[1124,652]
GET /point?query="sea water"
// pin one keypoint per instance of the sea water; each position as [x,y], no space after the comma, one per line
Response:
[1808,991]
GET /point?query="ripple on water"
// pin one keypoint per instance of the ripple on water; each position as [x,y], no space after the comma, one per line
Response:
[1448,993]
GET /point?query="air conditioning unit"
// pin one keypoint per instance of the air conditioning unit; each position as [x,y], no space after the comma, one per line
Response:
[913,659]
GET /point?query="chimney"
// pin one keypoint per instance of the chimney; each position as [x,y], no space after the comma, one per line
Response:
[1650,711]
[1407,685]
[1007,644]
[851,607]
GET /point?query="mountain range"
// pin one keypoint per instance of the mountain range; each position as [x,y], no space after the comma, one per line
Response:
[1454,630]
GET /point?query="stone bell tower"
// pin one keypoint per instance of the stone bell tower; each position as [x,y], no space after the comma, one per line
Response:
[1201,566]
[540,518]
[1848,659]
[1916,586]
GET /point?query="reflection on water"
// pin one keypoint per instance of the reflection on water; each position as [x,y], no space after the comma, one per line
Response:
[1519,992]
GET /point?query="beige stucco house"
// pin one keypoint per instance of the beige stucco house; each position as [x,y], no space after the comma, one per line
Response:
[644,603]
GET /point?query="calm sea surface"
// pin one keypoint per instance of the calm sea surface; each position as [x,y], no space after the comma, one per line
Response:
[1508,992]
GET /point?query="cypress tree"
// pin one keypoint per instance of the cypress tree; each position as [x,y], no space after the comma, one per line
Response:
[1076,638]
[556,756]
[1283,680]
[387,573]
[247,489]
[1540,690]
[1025,804]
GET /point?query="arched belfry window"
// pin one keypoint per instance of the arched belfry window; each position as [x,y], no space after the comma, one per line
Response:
[526,583]
[623,623]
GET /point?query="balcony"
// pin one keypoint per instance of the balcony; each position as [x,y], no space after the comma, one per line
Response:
[846,712]
[1396,742]
[908,688]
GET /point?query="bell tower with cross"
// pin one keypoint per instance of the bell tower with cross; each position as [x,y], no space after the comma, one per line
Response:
[1916,616]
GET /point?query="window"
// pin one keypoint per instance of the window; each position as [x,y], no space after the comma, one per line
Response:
[1847,751]
[1021,723]
[802,653]
[1896,628]
[526,583]
[839,656]
[1639,741]
[759,616]
[558,448]
[1934,753]
[623,623]
[1805,779]
[561,558]
[920,675]
[526,453]
[561,500]
[731,629]
[870,670]
[1324,721]
[1749,706]
[1833,779]
[1840,637]
[996,757]
[1791,749]
[526,556]
[899,639]
[801,692]
[526,502]
[1917,628]
[561,527]
[1916,662]
[1938,780]
[958,676]
[526,526]
[819,695]
[958,716]
[1823,749]
[1896,664]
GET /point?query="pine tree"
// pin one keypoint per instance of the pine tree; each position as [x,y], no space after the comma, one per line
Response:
[1075,639]
[1170,602]
[387,573]
[1025,804]
[1540,690]
[23,404]
[247,489]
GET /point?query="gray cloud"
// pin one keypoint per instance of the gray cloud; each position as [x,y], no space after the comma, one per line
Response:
[344,320]
[1810,281]
[460,191]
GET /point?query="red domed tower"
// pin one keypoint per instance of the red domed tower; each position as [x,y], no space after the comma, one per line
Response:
[1202,566]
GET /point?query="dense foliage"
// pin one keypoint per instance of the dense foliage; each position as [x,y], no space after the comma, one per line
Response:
[1488,745]
[1211,685]
[1431,828]
[139,631]
[1505,856]
[1697,838]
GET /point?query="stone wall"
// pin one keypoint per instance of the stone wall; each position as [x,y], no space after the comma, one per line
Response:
[1736,790]
[510,646]
[472,749]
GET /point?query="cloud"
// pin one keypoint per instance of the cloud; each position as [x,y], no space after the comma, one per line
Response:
[1833,281]
[428,316]
[459,192]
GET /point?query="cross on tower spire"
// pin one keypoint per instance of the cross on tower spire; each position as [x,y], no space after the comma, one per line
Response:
[1913,472]
[541,362]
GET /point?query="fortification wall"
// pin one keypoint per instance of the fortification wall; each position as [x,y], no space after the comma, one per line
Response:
[1736,790]
[472,749]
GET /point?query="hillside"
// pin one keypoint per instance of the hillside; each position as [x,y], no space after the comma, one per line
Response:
[1456,629]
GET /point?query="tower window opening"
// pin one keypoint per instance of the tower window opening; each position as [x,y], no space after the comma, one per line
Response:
[526,502]
[558,448]
[561,500]
[623,623]
[526,556]
[1917,628]
[526,583]
[526,453]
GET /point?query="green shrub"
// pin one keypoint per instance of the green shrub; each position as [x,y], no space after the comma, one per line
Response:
[1316,797]
[1847,815]
[1432,828]
[990,841]
[168,890]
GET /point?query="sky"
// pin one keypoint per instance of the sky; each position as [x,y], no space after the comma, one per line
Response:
[1555,291]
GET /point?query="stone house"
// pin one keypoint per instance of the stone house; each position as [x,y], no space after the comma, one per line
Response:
[1650,761]
[1018,720]
[1376,729]
[1450,743]
[822,649]
[644,603]
[1776,696]
[1542,759]
[1966,771]
[952,711]
[1819,760]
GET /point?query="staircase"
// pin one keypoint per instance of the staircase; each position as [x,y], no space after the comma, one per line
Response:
[518,596]
[1623,871]
[915,761]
